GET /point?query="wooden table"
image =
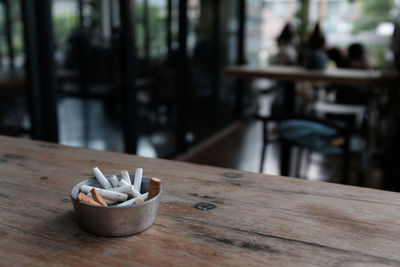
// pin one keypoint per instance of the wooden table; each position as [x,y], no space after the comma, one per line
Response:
[258,220]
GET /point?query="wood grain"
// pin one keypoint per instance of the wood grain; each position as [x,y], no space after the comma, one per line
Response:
[338,76]
[248,219]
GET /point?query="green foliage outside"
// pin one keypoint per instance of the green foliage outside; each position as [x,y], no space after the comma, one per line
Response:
[157,30]
[63,26]
[373,13]
[302,18]
[16,28]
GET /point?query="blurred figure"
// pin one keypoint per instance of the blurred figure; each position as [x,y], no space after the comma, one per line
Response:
[287,54]
[337,56]
[354,95]
[356,58]
[316,57]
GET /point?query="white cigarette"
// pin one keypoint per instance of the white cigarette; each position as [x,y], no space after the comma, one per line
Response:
[133,200]
[125,177]
[122,182]
[114,180]
[108,194]
[127,189]
[86,189]
[100,177]
[111,195]
[136,193]
[138,179]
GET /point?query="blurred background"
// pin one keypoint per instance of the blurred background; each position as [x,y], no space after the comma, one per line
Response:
[147,77]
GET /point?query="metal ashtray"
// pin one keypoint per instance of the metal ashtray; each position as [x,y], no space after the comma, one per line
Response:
[114,220]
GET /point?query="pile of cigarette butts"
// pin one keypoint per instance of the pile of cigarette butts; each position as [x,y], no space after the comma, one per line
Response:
[116,192]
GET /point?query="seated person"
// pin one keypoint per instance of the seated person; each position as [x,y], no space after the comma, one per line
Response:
[316,57]
[336,56]
[287,54]
[354,95]
[356,58]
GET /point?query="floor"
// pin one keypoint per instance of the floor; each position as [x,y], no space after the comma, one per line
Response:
[94,127]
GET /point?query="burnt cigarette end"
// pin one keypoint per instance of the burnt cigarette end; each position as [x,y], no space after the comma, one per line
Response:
[85,199]
[154,187]
[98,198]
[139,200]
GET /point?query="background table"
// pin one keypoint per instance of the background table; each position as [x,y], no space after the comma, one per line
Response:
[291,73]
[258,220]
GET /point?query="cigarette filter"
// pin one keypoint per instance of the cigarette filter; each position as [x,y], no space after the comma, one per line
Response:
[108,202]
[85,199]
[97,197]
[154,187]
[139,200]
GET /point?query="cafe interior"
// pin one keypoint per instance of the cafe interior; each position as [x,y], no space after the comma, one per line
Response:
[301,88]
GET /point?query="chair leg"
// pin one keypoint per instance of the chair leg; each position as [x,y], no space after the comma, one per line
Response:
[285,163]
[308,162]
[299,162]
[346,160]
[361,169]
[264,146]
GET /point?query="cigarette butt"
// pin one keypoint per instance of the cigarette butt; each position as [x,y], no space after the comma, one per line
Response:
[127,189]
[139,200]
[122,182]
[125,177]
[111,195]
[133,200]
[138,179]
[85,199]
[154,187]
[97,197]
[108,202]
[101,178]
[86,189]
[106,194]
[114,180]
